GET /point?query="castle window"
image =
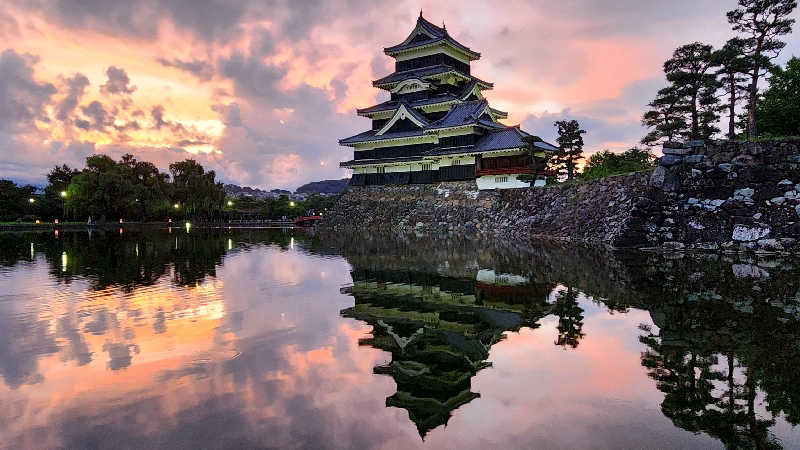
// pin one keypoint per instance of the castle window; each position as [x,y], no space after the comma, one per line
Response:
[501,179]
[426,166]
[381,169]
[456,162]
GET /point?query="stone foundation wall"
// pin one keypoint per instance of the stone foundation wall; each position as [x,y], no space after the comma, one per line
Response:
[723,196]
[717,197]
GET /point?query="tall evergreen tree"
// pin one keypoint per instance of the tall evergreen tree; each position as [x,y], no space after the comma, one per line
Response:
[666,117]
[689,71]
[732,66]
[570,143]
[760,24]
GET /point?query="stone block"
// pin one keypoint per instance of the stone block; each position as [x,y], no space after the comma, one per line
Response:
[658,176]
[672,144]
[727,167]
[670,160]
[745,233]
[673,245]
[676,151]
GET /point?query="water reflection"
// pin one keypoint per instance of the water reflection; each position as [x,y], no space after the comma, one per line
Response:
[248,338]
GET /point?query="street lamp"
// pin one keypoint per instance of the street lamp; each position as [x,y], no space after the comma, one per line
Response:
[176,206]
[230,203]
[63,194]
[291,204]
[31,200]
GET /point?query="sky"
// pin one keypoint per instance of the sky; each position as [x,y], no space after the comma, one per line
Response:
[261,90]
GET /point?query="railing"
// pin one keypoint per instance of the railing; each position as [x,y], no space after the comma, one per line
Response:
[504,171]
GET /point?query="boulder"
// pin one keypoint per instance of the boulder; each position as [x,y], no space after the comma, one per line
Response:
[744,233]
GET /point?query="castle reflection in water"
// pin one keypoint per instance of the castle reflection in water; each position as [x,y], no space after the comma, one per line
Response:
[721,341]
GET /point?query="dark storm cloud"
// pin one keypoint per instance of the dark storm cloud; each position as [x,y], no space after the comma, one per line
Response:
[118,81]
[203,70]
[76,88]
[22,98]
[97,115]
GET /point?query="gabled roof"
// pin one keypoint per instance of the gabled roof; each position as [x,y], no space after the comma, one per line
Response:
[391,105]
[425,34]
[461,114]
[404,112]
[425,72]
[508,138]
[371,135]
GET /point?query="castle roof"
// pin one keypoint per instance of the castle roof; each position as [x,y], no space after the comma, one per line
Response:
[427,34]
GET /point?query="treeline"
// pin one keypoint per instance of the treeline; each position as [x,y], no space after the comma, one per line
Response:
[705,84]
[133,190]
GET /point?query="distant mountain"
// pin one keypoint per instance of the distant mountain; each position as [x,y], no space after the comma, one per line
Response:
[324,186]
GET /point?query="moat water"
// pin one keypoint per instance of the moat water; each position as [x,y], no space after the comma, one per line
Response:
[253,338]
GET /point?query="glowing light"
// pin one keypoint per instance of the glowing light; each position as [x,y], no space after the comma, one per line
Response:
[55,221]
[230,244]
[63,193]
[176,206]
[291,243]
[56,233]
[188,225]
[37,222]
[120,220]
[64,261]
[169,220]
[230,203]
[291,203]
[31,250]
[137,249]
[31,200]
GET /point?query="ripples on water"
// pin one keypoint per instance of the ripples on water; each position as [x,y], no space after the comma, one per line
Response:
[276,338]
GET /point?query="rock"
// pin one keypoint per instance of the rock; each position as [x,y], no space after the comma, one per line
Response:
[658,176]
[770,245]
[676,151]
[784,182]
[745,194]
[692,201]
[419,225]
[797,210]
[745,233]
[696,159]
[673,245]
[757,216]
[792,195]
[726,167]
[696,225]
[670,160]
[743,160]
[710,246]
[778,200]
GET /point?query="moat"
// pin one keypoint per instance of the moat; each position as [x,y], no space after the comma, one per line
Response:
[255,338]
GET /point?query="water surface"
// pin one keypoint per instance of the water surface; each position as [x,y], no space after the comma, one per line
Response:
[277,338]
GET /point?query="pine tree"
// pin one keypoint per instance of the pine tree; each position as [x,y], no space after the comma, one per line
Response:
[689,71]
[733,65]
[570,151]
[760,23]
[666,117]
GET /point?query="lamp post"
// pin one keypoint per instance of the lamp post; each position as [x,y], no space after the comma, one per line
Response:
[63,203]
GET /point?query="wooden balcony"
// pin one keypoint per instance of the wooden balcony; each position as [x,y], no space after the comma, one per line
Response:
[504,171]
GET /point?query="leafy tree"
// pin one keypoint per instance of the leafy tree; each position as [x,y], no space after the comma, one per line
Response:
[570,143]
[732,66]
[15,201]
[666,117]
[195,190]
[606,163]
[760,24]
[778,111]
[689,71]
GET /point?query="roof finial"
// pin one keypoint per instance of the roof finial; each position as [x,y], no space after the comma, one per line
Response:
[420,13]
[444,27]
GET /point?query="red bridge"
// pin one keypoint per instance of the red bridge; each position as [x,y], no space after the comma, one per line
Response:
[306,221]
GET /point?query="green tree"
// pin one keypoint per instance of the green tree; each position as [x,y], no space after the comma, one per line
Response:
[732,66]
[570,143]
[606,163]
[15,201]
[195,190]
[778,111]
[666,117]
[760,23]
[689,71]
[570,318]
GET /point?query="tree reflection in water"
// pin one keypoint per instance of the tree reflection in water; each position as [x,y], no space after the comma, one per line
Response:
[724,349]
